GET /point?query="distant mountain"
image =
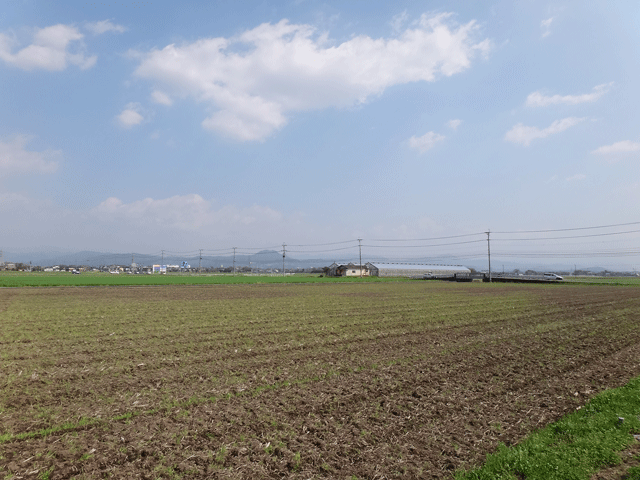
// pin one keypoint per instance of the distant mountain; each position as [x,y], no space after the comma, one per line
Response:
[264,259]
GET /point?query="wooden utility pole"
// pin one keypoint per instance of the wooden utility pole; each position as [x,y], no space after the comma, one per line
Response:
[284,253]
[489,252]
[360,250]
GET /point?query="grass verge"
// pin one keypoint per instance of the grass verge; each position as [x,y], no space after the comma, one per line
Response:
[575,447]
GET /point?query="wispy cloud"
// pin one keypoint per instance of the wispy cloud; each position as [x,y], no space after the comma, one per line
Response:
[454,124]
[398,21]
[545,26]
[130,116]
[524,135]
[426,141]
[254,81]
[162,98]
[104,26]
[538,99]
[183,212]
[625,146]
[53,49]
[576,178]
[16,159]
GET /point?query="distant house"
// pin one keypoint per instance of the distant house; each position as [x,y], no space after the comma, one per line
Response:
[348,270]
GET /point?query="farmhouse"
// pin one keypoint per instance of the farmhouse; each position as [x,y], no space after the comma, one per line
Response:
[348,270]
[416,270]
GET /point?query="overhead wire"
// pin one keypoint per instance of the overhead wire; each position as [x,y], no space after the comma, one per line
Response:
[427,239]
[571,229]
[572,236]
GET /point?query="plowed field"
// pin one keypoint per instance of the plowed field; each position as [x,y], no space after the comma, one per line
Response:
[384,380]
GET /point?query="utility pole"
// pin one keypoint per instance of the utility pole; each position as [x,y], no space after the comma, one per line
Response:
[200,262]
[360,250]
[489,252]
[234,261]
[284,253]
[162,257]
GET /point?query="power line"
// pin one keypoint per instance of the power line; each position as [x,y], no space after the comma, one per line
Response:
[558,238]
[322,251]
[428,239]
[568,254]
[571,229]
[423,246]
[323,244]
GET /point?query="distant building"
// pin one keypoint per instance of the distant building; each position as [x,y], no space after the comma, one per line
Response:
[348,270]
[416,270]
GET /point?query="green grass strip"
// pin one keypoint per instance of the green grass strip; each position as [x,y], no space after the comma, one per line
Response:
[575,447]
[37,279]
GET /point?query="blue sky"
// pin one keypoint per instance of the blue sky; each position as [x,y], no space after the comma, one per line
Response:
[140,126]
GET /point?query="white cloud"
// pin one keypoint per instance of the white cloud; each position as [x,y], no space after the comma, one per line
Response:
[525,135]
[425,142]
[53,49]
[454,124]
[545,25]
[185,213]
[398,21]
[576,177]
[183,221]
[626,146]
[15,159]
[537,99]
[104,26]
[161,98]
[254,81]
[130,116]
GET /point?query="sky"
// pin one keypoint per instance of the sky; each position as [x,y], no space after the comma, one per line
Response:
[149,125]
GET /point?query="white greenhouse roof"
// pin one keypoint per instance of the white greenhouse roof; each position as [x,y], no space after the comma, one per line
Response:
[418,266]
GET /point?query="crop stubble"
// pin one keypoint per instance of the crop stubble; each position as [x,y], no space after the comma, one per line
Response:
[407,379]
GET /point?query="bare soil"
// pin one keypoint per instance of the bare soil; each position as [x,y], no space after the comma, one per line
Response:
[300,381]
